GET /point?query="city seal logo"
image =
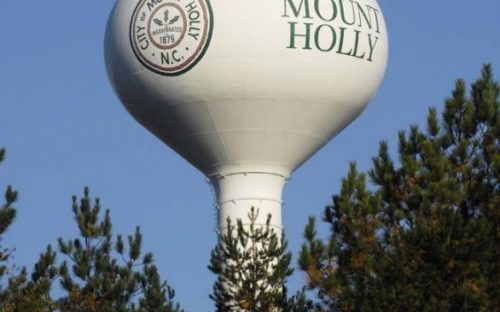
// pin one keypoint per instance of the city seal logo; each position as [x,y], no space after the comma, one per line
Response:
[170,36]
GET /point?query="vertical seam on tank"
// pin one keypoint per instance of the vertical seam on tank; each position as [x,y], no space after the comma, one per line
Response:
[216,130]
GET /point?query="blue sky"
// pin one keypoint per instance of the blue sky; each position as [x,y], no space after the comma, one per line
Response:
[64,129]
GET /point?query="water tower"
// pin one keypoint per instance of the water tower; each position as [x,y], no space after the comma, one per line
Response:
[246,90]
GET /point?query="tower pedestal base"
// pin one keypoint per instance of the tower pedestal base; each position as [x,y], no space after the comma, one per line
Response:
[237,193]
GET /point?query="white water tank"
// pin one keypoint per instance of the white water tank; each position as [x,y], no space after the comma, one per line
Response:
[246,90]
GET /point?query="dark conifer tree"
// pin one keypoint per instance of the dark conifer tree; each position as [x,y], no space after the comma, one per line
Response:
[18,292]
[427,238]
[7,215]
[252,266]
[97,280]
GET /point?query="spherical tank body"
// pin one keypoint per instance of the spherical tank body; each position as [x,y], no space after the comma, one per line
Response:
[246,91]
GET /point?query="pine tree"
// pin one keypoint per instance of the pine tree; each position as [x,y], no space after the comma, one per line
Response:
[97,280]
[19,293]
[7,215]
[341,269]
[252,267]
[427,238]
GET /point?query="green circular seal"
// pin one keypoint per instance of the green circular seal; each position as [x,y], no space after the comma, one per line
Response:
[170,36]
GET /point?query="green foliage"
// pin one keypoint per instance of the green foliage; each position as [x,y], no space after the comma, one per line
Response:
[7,216]
[97,280]
[427,238]
[19,293]
[24,294]
[299,303]
[252,267]
[7,212]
